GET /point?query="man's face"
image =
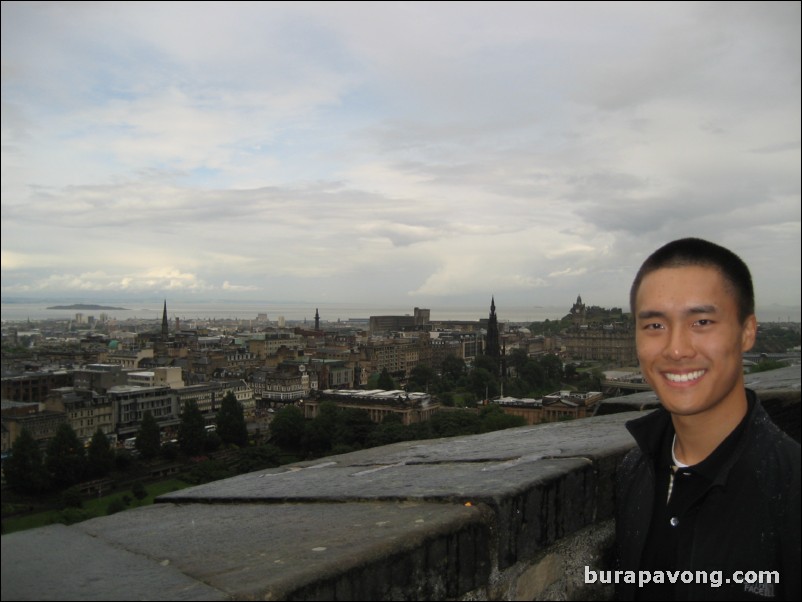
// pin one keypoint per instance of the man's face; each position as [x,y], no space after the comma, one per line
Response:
[690,340]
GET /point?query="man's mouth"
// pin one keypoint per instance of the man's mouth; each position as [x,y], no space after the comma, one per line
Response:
[685,377]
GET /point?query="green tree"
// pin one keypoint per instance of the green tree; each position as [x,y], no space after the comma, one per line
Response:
[534,376]
[517,358]
[71,498]
[192,430]
[553,366]
[100,456]
[453,369]
[422,378]
[65,458]
[386,381]
[321,431]
[139,491]
[486,362]
[493,418]
[258,457]
[354,428]
[148,437]
[391,430]
[453,423]
[231,425]
[287,428]
[483,384]
[24,470]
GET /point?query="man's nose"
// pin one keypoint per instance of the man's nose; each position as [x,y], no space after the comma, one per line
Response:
[680,344]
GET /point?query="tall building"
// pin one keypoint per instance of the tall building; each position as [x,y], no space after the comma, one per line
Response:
[165,329]
[492,347]
[317,320]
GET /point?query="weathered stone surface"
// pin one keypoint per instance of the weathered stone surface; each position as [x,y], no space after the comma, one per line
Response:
[463,469]
[542,482]
[62,563]
[312,551]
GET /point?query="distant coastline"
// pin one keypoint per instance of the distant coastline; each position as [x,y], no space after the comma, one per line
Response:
[86,306]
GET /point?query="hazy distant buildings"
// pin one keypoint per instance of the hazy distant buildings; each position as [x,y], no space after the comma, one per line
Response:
[386,324]
[41,423]
[34,387]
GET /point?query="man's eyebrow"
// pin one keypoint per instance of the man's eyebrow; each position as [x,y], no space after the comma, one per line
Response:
[648,314]
[702,309]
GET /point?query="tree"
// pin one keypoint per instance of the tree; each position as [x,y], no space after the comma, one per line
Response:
[321,431]
[390,430]
[354,427]
[483,383]
[451,424]
[287,428]
[487,362]
[421,378]
[65,458]
[231,425]
[192,430]
[493,418]
[148,437]
[534,376]
[553,366]
[139,491]
[517,358]
[453,368]
[386,381]
[100,456]
[24,470]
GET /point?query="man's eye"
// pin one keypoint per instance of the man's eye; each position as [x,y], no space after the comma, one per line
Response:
[653,326]
[704,322]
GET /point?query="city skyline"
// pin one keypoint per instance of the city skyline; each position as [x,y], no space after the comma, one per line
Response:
[415,154]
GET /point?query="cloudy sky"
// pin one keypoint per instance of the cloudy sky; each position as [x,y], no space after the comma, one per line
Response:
[396,153]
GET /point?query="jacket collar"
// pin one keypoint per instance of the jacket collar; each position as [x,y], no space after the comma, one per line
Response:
[648,432]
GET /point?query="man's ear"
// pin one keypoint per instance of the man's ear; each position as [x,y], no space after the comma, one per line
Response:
[748,333]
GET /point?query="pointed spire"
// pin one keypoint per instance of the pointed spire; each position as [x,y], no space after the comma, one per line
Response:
[492,338]
[165,328]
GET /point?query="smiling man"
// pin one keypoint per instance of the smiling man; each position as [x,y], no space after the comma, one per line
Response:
[709,500]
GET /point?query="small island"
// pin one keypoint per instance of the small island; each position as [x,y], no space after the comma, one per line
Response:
[87,306]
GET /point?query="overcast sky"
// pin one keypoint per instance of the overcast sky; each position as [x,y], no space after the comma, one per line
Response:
[422,154]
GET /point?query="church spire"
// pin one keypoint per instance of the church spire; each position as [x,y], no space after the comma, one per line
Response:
[164,323]
[492,341]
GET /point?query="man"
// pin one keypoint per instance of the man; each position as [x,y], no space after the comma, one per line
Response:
[713,486]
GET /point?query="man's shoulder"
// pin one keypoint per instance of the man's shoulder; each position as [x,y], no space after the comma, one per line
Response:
[768,441]
[771,462]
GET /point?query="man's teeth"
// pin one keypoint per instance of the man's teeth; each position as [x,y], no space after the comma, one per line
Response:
[684,378]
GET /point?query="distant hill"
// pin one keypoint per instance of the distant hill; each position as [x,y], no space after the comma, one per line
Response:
[86,306]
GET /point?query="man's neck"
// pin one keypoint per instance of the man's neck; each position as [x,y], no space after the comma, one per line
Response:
[698,436]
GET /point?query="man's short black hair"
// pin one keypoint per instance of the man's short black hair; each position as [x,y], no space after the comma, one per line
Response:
[698,252]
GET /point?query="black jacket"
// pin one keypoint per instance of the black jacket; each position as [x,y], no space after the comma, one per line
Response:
[749,520]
